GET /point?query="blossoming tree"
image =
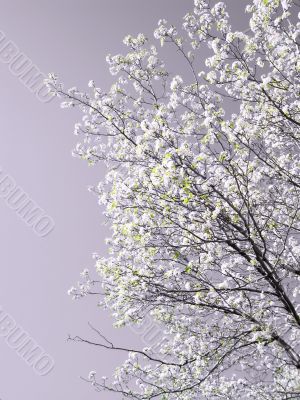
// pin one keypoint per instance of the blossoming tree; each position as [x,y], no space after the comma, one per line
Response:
[204,204]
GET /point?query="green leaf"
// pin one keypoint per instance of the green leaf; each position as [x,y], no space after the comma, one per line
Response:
[222,156]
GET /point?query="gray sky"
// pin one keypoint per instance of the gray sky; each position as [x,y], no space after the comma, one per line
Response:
[72,39]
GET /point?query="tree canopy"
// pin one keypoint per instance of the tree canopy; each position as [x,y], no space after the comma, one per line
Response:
[203,195]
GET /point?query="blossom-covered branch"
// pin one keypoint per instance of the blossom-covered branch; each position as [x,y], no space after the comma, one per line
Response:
[204,204]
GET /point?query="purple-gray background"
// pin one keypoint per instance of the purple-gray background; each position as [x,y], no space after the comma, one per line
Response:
[72,39]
